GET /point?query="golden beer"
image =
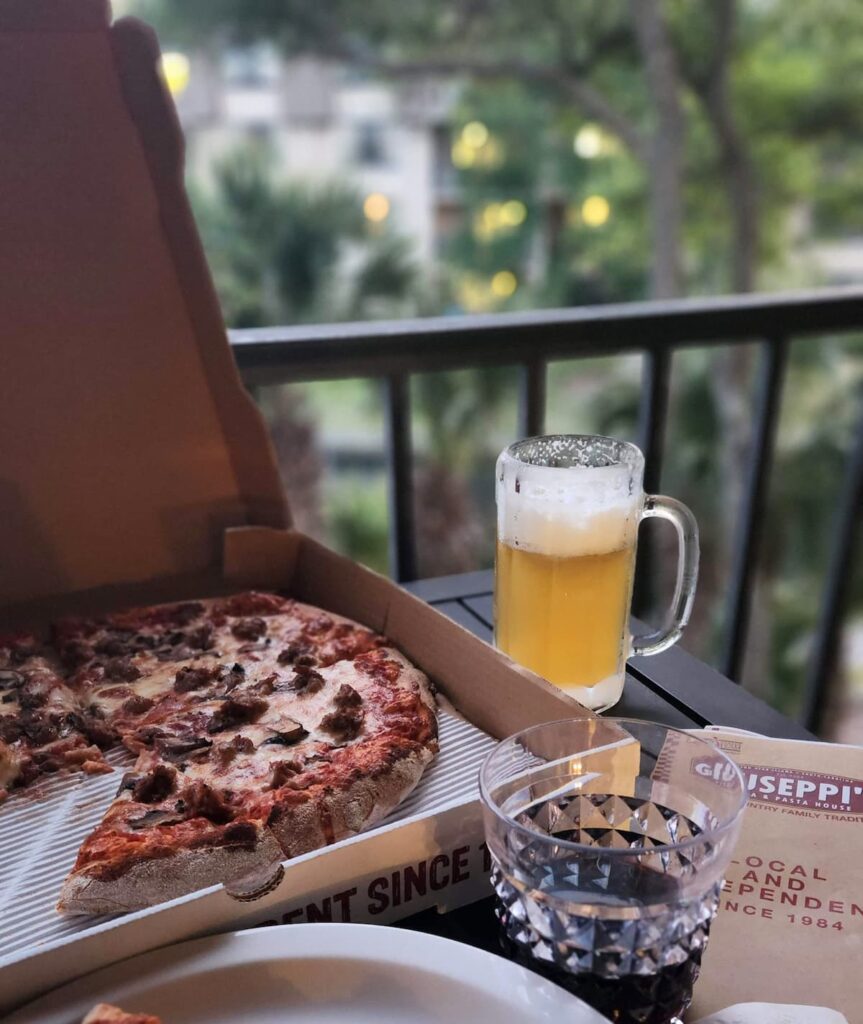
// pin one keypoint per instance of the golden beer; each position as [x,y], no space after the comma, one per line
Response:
[568,509]
[565,617]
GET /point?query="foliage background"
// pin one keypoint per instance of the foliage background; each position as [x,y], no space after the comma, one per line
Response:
[727,142]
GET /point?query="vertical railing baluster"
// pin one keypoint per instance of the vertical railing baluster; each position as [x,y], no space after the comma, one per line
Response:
[652,420]
[653,414]
[839,574]
[402,536]
[751,520]
[532,386]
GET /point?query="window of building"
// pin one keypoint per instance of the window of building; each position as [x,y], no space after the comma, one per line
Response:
[251,66]
[370,144]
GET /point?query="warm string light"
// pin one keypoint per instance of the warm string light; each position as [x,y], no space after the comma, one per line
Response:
[513,213]
[475,134]
[504,284]
[476,147]
[590,142]
[587,142]
[495,217]
[176,70]
[376,207]
[478,294]
[595,211]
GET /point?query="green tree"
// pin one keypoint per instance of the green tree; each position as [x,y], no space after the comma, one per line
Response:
[726,107]
[278,249]
[720,124]
[727,113]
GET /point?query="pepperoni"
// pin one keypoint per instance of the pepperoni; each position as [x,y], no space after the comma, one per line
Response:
[297,652]
[116,644]
[283,771]
[155,786]
[237,711]
[249,629]
[252,603]
[319,624]
[198,800]
[10,729]
[201,639]
[307,680]
[137,704]
[76,652]
[344,724]
[122,669]
[225,753]
[380,667]
[117,692]
[347,697]
[189,678]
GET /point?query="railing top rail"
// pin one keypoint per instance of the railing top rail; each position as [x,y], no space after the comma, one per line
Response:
[394,349]
[315,351]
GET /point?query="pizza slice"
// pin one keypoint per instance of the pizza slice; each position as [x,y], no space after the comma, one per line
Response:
[43,727]
[233,779]
[105,1013]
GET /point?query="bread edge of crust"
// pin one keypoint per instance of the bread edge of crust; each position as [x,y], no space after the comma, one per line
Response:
[150,882]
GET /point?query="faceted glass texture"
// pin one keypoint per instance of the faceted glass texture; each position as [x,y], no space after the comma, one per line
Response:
[609,840]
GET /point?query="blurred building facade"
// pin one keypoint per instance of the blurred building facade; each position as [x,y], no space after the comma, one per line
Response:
[324,123]
[392,142]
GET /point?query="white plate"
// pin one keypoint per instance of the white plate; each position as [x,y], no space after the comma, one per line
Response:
[317,974]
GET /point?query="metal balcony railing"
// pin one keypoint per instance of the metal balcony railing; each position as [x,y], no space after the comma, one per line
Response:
[395,350]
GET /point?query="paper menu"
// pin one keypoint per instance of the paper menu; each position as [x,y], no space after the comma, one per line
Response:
[764,1013]
[790,922]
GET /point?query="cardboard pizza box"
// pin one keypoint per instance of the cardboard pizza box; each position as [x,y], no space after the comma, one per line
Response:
[135,468]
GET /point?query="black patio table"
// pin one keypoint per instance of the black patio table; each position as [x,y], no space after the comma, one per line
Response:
[673,688]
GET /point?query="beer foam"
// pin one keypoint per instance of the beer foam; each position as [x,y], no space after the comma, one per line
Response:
[601,695]
[566,511]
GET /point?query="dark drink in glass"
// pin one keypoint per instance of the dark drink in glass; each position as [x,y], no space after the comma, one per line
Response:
[631,999]
[609,839]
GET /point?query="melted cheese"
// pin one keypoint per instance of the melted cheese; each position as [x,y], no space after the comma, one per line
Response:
[285,707]
[9,765]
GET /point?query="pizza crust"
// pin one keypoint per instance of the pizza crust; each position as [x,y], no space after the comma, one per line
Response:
[346,812]
[369,801]
[307,827]
[10,765]
[105,1013]
[155,881]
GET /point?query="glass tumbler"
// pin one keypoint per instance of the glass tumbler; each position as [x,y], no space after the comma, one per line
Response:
[609,839]
[568,510]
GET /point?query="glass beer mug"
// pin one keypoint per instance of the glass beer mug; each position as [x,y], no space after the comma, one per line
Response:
[568,510]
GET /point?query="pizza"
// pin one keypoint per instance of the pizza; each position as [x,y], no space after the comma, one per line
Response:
[263,727]
[43,726]
[104,1013]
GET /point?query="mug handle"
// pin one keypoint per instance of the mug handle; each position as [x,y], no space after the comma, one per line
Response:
[657,506]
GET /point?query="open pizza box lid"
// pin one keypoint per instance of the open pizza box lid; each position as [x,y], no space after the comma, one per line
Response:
[128,443]
[135,468]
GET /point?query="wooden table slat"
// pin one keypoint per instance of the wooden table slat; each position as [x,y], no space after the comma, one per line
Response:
[674,687]
[452,588]
[638,700]
[678,675]
[464,616]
